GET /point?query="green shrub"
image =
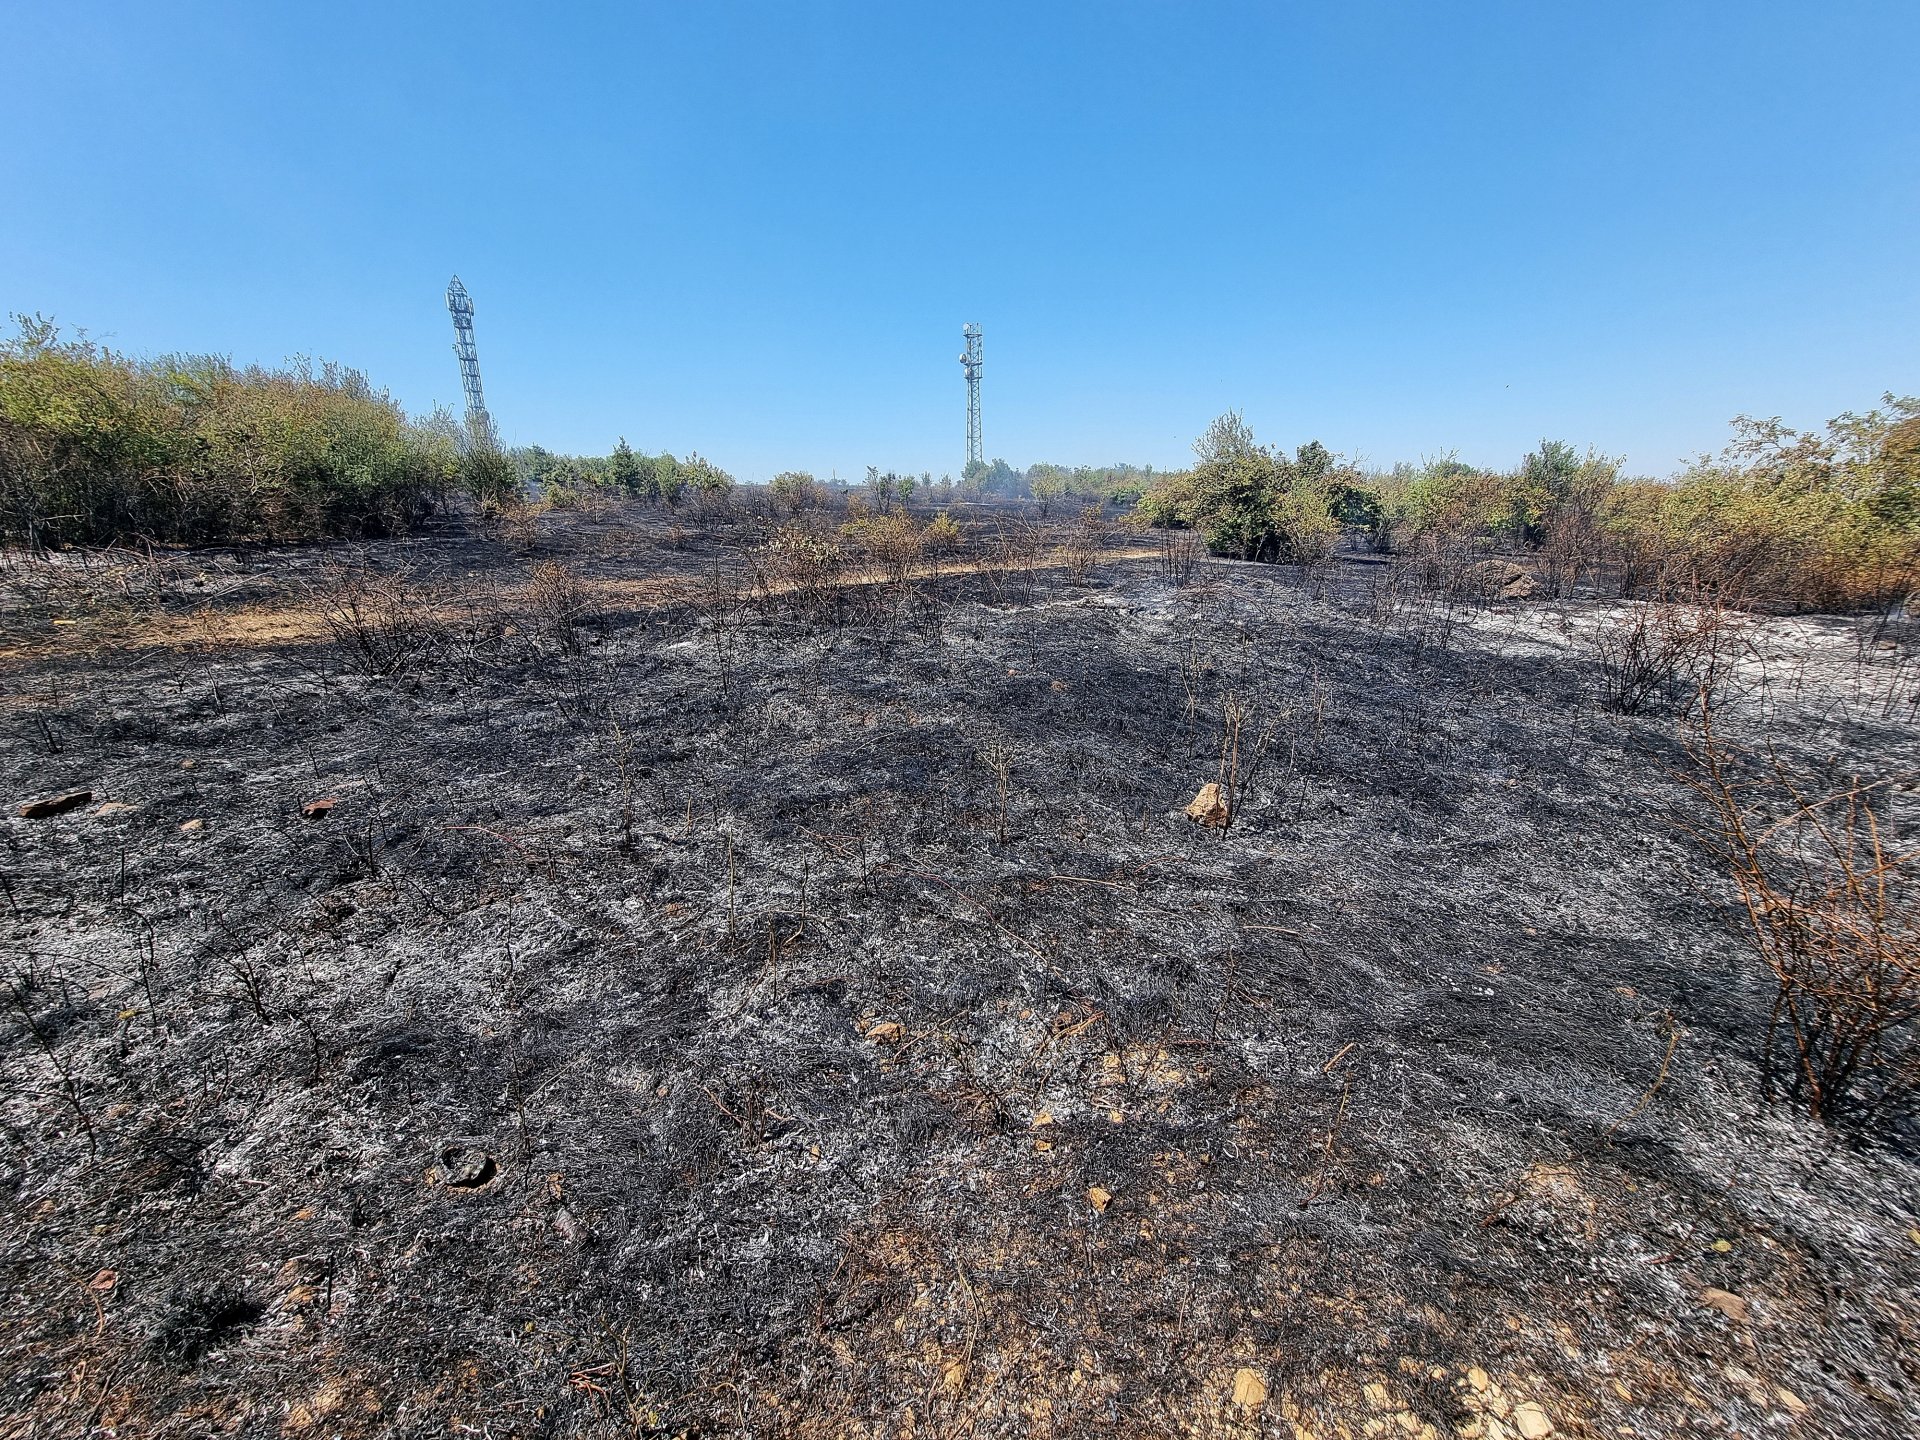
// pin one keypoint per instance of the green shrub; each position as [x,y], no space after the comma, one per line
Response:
[1250,500]
[795,489]
[1800,520]
[97,447]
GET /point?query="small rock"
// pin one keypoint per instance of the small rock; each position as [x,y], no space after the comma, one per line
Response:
[1790,1400]
[319,809]
[1098,1198]
[1532,1421]
[885,1032]
[56,805]
[114,807]
[192,827]
[1209,808]
[1726,1302]
[1478,1378]
[1249,1388]
[1500,580]
[464,1167]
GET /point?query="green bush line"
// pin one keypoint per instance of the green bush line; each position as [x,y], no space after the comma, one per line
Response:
[97,447]
[1789,519]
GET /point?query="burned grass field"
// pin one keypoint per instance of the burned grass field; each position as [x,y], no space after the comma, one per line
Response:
[604,987]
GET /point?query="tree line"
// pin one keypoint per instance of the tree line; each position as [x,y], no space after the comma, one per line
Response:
[1815,519]
[101,447]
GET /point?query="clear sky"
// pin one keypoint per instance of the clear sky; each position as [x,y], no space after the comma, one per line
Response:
[754,230]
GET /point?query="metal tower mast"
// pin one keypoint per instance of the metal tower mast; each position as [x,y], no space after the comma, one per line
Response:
[971,360]
[479,424]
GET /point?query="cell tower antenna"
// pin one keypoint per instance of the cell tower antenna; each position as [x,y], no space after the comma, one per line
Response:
[480,434]
[971,359]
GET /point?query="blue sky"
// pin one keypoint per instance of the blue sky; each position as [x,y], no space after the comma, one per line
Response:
[754,230]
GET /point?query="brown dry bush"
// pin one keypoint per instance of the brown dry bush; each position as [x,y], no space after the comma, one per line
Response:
[1824,883]
[1079,553]
[1009,557]
[893,544]
[559,603]
[1568,552]
[515,521]
[383,624]
[943,535]
[1445,560]
[1651,651]
[798,569]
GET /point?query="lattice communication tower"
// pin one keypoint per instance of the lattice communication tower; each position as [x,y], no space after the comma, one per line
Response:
[971,360]
[480,432]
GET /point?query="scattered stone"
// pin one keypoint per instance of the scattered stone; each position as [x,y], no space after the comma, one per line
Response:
[1098,1198]
[319,809]
[464,1167]
[1791,1401]
[55,805]
[1532,1422]
[1209,808]
[1249,1388]
[1726,1302]
[885,1032]
[114,807]
[1478,1378]
[1500,580]
[192,827]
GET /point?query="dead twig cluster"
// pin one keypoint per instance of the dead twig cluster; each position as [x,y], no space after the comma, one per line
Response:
[1825,886]
[559,601]
[1651,651]
[1079,553]
[1180,552]
[382,622]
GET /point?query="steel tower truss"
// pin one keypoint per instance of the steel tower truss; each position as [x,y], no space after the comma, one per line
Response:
[479,423]
[971,360]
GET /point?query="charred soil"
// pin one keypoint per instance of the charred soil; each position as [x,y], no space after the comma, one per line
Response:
[716,1007]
